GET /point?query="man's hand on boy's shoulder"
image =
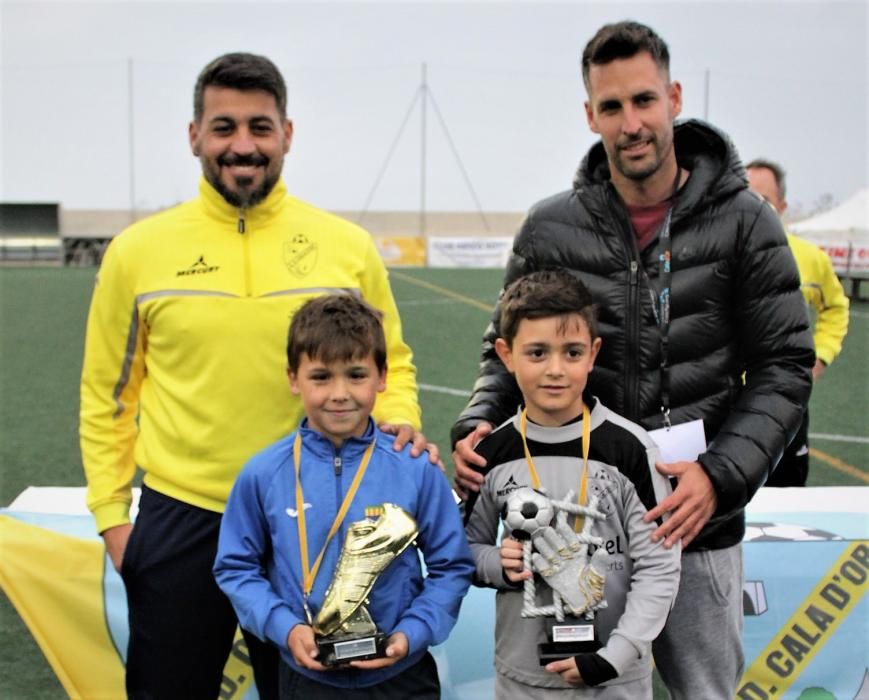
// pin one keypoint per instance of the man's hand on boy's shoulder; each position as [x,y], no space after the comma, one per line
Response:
[405,433]
[303,647]
[690,506]
[467,478]
[396,650]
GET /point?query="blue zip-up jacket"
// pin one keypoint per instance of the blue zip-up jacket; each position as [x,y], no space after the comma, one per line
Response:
[258,562]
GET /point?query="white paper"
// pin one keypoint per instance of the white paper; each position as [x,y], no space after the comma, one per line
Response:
[680,443]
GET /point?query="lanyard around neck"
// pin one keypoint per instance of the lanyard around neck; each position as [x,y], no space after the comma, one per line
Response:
[583,478]
[661,302]
[309,573]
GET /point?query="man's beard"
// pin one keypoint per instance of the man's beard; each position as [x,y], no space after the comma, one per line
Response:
[241,197]
[638,172]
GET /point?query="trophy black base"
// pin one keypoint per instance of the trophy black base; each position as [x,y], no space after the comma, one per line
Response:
[335,652]
[556,651]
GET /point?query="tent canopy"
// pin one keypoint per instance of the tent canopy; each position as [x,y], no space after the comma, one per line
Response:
[847,222]
[843,233]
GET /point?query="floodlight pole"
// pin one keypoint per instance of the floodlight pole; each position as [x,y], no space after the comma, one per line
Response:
[130,139]
[423,93]
[422,161]
[706,96]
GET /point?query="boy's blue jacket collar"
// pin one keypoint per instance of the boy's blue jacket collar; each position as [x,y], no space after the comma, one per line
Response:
[322,446]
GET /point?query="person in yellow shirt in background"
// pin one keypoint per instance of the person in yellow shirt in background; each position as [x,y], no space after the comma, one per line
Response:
[184,371]
[826,298]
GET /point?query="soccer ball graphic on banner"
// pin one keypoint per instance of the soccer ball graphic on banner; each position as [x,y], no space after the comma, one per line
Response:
[786,532]
[527,511]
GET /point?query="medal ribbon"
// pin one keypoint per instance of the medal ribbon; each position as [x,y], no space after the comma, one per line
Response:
[583,479]
[310,572]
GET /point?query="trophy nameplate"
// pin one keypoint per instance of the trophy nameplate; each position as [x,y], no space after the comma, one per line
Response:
[568,640]
[335,652]
[343,628]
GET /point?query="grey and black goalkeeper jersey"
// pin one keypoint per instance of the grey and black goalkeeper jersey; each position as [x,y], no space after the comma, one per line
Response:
[642,577]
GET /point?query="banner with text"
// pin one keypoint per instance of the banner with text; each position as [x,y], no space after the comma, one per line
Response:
[485,251]
[849,258]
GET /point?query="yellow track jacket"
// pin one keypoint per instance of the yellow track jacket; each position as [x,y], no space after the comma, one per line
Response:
[185,355]
[824,294]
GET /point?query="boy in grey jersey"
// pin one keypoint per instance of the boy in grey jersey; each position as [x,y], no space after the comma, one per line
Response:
[549,342]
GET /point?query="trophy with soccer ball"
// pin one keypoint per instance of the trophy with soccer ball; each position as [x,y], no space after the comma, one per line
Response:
[343,628]
[561,557]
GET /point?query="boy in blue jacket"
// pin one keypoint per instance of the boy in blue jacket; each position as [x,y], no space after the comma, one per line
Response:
[290,510]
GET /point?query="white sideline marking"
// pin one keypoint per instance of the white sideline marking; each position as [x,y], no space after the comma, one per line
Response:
[425,302]
[445,390]
[839,438]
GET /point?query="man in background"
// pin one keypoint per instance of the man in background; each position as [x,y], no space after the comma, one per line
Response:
[825,297]
[184,372]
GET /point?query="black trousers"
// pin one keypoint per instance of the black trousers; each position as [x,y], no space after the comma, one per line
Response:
[793,469]
[419,682]
[181,623]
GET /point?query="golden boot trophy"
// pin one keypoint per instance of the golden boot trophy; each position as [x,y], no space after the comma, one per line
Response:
[343,628]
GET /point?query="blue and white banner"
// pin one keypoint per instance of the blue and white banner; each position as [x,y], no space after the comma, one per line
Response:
[806,619]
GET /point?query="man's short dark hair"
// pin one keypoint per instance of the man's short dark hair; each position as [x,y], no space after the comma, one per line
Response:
[241,71]
[545,294]
[623,40]
[336,328]
[778,173]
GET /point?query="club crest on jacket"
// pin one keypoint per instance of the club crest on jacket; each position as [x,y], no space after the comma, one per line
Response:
[300,255]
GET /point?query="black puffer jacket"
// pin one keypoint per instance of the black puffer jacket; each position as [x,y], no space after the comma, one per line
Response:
[735,308]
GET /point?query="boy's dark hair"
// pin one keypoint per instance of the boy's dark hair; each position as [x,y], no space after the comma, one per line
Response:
[336,327]
[623,40]
[778,173]
[543,294]
[241,71]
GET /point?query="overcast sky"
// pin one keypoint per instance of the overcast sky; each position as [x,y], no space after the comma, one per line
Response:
[787,80]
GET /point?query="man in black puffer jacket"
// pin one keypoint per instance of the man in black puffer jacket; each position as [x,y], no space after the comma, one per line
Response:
[678,336]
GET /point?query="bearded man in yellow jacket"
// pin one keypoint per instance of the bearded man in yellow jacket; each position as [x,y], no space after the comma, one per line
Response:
[826,299]
[184,371]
